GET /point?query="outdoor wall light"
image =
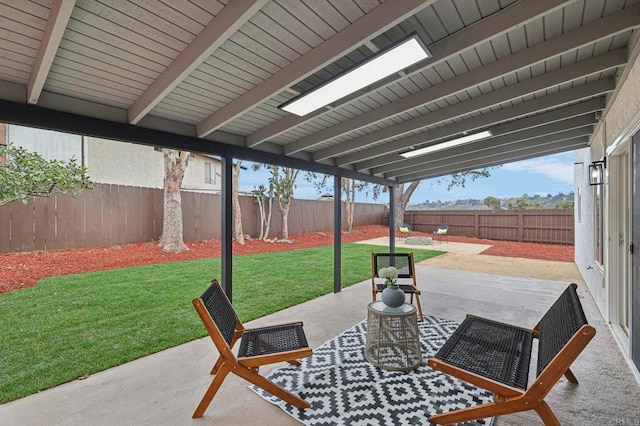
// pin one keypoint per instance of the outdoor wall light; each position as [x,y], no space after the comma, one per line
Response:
[596,172]
[384,63]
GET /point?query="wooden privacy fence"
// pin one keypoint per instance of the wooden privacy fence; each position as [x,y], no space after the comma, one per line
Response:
[114,214]
[552,226]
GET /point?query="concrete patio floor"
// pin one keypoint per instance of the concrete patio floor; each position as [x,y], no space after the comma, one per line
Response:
[164,388]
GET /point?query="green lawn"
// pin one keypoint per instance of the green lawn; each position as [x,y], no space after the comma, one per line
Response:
[69,326]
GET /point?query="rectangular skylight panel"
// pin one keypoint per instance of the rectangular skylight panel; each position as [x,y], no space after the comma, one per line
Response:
[449,144]
[389,62]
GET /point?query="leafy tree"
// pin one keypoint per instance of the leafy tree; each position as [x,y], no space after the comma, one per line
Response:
[492,202]
[175,163]
[460,179]
[400,194]
[283,180]
[281,183]
[25,174]
[401,197]
[349,188]
[521,203]
[564,204]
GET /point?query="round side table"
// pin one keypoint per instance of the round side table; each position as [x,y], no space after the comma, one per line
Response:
[393,341]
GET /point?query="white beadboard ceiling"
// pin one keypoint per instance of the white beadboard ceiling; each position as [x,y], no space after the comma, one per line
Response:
[534,72]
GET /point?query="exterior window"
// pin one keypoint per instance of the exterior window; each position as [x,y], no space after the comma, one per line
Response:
[599,225]
[210,173]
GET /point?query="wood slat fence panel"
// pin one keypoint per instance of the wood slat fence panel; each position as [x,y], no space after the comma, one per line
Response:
[114,214]
[550,226]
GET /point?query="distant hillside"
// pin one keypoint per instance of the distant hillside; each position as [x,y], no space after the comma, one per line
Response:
[525,201]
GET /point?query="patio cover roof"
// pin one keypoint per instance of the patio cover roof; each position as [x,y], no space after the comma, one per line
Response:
[209,76]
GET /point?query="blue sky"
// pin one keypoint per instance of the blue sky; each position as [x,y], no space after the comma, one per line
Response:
[544,175]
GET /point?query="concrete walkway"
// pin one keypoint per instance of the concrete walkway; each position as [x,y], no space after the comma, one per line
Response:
[449,247]
[469,257]
[164,388]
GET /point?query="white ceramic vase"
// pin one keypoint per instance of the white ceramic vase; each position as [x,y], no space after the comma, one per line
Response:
[393,296]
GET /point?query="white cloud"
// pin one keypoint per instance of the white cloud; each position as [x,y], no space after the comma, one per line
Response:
[556,167]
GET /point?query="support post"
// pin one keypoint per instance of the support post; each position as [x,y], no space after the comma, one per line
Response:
[392,221]
[337,234]
[226,217]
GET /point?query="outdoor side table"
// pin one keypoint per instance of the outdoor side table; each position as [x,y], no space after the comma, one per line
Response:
[393,342]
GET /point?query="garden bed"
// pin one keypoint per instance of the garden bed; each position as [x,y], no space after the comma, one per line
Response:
[21,270]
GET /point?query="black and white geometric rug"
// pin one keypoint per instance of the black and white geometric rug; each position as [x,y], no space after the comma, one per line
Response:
[343,388]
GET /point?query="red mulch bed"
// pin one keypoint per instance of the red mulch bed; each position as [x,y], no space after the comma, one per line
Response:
[22,270]
[559,253]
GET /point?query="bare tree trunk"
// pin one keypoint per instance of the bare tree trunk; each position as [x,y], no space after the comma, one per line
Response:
[398,210]
[352,207]
[401,199]
[349,186]
[237,214]
[284,210]
[175,163]
[283,192]
[264,205]
[3,141]
[260,202]
[267,225]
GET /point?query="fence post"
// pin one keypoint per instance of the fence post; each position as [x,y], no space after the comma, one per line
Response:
[476,225]
[521,226]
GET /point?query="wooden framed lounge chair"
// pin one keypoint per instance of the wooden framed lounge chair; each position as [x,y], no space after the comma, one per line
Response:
[258,346]
[441,233]
[406,271]
[496,356]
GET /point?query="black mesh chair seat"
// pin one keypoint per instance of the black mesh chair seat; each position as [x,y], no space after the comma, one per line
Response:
[407,288]
[269,340]
[498,351]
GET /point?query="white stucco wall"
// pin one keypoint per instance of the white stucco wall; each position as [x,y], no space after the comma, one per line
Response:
[112,162]
[49,144]
[194,176]
[621,115]
[125,163]
[584,221]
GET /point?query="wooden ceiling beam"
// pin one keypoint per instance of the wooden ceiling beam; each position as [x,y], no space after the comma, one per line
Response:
[367,27]
[587,34]
[552,147]
[221,27]
[57,23]
[44,118]
[575,127]
[486,29]
[491,122]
